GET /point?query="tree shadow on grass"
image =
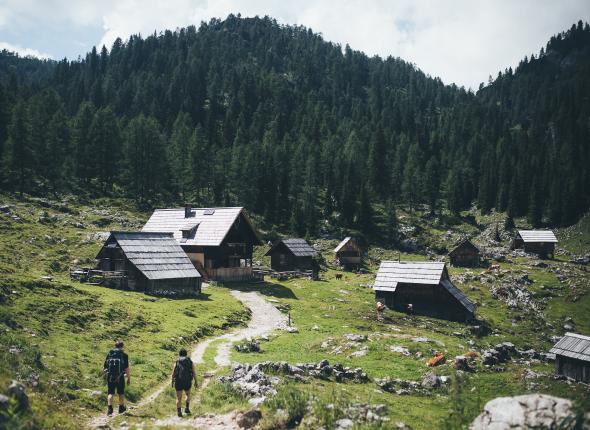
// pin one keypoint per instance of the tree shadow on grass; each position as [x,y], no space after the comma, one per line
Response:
[271,289]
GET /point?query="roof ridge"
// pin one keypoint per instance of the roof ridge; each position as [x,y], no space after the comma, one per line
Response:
[578,335]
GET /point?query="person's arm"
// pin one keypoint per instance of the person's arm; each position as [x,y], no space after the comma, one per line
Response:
[195,374]
[173,374]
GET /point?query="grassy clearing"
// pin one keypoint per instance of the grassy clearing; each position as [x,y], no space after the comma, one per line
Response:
[63,329]
[59,331]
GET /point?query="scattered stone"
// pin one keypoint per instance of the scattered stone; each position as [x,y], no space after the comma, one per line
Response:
[400,350]
[355,337]
[524,412]
[431,381]
[4,404]
[17,391]
[248,346]
[421,339]
[343,424]
[248,419]
[361,352]
[400,386]
[462,363]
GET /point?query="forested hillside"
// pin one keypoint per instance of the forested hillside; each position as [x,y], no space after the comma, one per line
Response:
[299,130]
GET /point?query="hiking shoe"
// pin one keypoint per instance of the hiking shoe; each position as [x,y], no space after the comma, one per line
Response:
[179,412]
[110,411]
[187,411]
[122,409]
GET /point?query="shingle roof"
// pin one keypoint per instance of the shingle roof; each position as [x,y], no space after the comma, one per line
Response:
[299,247]
[212,224]
[464,243]
[573,345]
[408,272]
[456,293]
[392,273]
[156,255]
[537,236]
[341,244]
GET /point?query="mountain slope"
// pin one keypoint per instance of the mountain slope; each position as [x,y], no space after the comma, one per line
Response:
[247,111]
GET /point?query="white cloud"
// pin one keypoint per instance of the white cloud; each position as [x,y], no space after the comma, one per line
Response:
[461,41]
[24,52]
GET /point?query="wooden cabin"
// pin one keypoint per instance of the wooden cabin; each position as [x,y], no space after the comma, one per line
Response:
[572,357]
[541,242]
[422,288]
[465,254]
[219,241]
[150,262]
[288,255]
[348,253]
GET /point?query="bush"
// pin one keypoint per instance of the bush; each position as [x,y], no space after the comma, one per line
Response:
[293,404]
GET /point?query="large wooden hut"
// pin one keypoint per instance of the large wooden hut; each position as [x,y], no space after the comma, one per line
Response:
[465,254]
[348,253]
[423,288]
[541,242]
[219,241]
[288,255]
[572,357]
[150,262]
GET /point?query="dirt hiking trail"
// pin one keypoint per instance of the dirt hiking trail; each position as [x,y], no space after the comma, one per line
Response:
[264,319]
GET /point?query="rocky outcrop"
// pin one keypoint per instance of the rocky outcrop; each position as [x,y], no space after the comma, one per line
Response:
[254,381]
[531,411]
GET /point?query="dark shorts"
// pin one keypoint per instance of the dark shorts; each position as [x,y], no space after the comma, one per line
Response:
[118,386]
[180,386]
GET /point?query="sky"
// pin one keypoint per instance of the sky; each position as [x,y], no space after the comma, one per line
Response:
[460,41]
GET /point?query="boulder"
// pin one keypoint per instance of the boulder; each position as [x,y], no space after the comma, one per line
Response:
[17,391]
[431,381]
[529,411]
[4,404]
[343,424]
[249,418]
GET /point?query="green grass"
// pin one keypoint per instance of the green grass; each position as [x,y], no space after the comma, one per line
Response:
[63,329]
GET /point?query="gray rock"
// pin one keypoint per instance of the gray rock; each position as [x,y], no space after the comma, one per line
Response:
[344,423]
[431,381]
[4,403]
[529,411]
[462,363]
[355,337]
[248,419]
[17,391]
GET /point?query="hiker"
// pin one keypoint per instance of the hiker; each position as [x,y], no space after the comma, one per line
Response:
[182,378]
[116,370]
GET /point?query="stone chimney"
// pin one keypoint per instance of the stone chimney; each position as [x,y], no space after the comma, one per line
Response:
[187,211]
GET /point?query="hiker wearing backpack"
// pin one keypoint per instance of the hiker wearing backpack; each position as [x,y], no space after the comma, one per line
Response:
[182,378]
[116,370]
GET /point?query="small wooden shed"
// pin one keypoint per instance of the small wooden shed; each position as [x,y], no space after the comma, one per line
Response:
[152,262]
[572,357]
[541,242]
[348,253]
[465,254]
[423,288]
[292,255]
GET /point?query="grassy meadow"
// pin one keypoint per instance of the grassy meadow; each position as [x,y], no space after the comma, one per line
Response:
[54,333]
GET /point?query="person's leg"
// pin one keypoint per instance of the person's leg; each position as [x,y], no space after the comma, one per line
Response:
[187,409]
[110,392]
[121,393]
[179,402]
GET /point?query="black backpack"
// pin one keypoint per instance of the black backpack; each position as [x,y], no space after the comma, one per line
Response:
[184,370]
[115,365]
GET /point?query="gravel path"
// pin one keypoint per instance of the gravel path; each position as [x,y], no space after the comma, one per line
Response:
[264,319]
